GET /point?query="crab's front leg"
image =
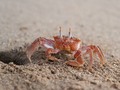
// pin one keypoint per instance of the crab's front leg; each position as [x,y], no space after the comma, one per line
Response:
[50,51]
[47,43]
[78,62]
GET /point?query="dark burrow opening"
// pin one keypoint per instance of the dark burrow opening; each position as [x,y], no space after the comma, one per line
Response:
[19,57]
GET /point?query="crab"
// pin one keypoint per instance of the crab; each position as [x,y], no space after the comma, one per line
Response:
[71,45]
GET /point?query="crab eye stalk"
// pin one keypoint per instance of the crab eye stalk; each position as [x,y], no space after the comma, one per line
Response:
[60,34]
[69,35]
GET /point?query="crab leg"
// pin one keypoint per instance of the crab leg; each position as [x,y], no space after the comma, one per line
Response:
[99,52]
[90,52]
[78,62]
[52,51]
[86,50]
[92,49]
[47,43]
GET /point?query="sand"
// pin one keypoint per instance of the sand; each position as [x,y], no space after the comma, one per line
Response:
[93,21]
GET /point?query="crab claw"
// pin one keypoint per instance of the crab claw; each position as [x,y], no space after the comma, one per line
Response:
[47,43]
[92,49]
[32,48]
[78,62]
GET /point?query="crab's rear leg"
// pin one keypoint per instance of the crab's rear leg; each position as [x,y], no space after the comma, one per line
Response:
[47,43]
[92,49]
[98,51]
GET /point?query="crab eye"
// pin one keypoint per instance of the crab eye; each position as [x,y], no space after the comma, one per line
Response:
[69,35]
[60,34]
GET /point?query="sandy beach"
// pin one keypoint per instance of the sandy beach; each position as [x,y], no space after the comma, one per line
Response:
[95,22]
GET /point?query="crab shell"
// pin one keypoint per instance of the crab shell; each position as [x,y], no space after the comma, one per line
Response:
[66,43]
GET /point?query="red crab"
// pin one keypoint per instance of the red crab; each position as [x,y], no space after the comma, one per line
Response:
[66,43]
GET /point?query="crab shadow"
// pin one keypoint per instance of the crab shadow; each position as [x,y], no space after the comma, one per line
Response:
[18,56]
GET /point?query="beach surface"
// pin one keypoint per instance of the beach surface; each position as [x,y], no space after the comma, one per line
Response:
[95,22]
